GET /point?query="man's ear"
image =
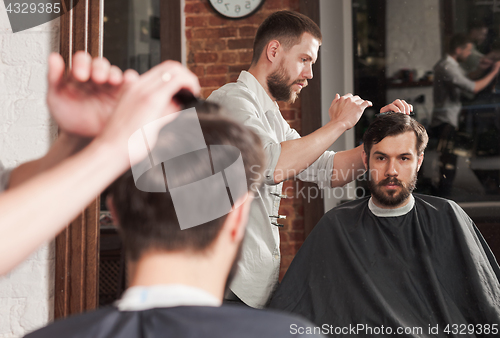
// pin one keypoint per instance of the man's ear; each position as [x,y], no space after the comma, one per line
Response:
[237,219]
[112,209]
[420,160]
[365,159]
[272,50]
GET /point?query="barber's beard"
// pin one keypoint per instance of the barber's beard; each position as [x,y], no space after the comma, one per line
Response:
[392,198]
[234,268]
[279,85]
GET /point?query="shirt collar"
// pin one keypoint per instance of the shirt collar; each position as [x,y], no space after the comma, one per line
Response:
[139,298]
[251,82]
[381,212]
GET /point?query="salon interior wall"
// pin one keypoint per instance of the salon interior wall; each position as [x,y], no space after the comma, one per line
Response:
[413,41]
[26,132]
[336,77]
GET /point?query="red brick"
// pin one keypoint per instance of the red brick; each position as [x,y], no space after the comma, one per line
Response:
[286,210]
[216,69]
[217,20]
[197,21]
[246,57]
[207,91]
[247,31]
[197,7]
[215,44]
[212,81]
[240,44]
[295,125]
[292,5]
[238,68]
[286,260]
[205,57]
[197,70]
[298,224]
[296,236]
[273,4]
[233,77]
[204,33]
[288,114]
[189,34]
[283,236]
[196,45]
[258,17]
[229,57]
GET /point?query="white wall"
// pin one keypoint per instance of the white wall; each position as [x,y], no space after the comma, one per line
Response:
[26,131]
[413,40]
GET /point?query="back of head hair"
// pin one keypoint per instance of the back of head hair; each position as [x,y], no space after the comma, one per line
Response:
[285,26]
[393,124]
[458,41]
[148,221]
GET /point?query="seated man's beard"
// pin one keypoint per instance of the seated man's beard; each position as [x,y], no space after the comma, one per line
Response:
[278,86]
[391,198]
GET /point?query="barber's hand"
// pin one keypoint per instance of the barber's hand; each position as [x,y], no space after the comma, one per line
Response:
[82,101]
[347,109]
[146,100]
[398,106]
[496,66]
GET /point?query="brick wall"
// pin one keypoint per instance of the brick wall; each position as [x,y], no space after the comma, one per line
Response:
[26,132]
[217,50]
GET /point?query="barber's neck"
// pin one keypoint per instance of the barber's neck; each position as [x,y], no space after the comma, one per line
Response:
[203,271]
[261,71]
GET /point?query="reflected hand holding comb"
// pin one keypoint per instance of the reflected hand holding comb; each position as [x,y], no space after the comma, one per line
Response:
[82,99]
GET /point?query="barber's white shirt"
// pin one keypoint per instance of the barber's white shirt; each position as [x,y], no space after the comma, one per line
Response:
[247,102]
[139,298]
[4,177]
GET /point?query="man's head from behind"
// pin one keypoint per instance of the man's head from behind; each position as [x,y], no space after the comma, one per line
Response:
[148,222]
[290,42]
[394,147]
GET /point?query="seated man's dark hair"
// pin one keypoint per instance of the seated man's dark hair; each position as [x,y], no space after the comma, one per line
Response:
[458,41]
[393,124]
[285,26]
[148,222]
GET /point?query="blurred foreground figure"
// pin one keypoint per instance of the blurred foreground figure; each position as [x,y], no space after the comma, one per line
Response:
[178,277]
[395,263]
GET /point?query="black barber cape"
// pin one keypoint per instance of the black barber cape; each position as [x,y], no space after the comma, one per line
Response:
[234,321]
[426,269]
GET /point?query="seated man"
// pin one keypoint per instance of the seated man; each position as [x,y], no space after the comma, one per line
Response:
[177,277]
[398,262]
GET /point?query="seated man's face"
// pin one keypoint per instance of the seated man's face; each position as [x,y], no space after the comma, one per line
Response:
[393,165]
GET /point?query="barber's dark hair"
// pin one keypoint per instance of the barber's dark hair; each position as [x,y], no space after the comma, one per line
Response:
[458,41]
[285,26]
[393,124]
[147,222]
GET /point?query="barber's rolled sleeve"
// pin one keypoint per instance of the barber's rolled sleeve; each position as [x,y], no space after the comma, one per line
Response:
[4,177]
[243,110]
[320,171]
[459,79]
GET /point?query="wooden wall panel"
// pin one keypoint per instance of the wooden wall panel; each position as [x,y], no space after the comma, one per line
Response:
[77,247]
